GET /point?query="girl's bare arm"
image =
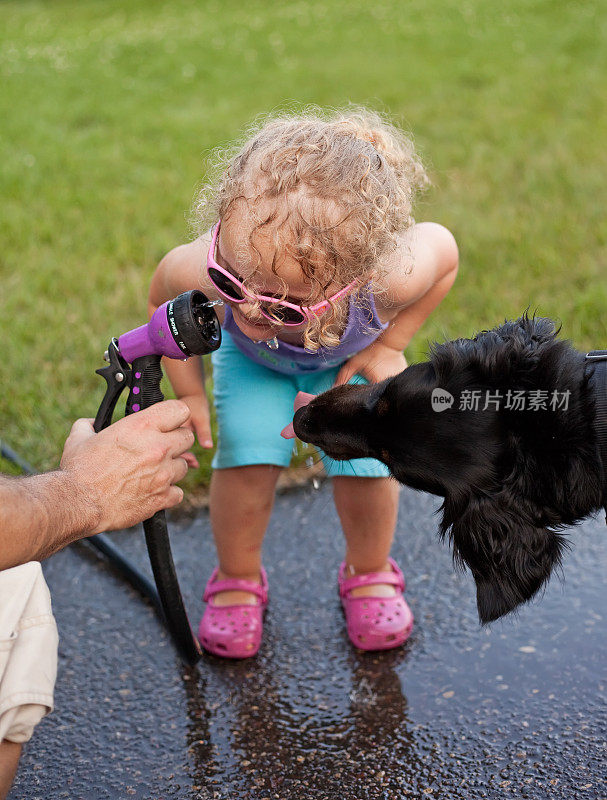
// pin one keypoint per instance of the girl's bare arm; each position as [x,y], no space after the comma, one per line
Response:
[433,253]
[410,296]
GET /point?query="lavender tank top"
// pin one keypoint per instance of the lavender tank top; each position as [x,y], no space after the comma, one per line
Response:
[362,327]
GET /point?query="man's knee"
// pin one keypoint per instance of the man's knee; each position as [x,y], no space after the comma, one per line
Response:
[28,659]
[10,753]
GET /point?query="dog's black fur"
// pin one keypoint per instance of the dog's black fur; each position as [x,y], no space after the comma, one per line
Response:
[510,479]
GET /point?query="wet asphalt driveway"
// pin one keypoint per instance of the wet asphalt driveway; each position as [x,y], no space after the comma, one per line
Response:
[515,710]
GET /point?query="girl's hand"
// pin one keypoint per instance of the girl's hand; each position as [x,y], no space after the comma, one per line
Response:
[375,363]
[199,422]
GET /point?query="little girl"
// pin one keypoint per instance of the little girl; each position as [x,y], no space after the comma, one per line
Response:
[325,278]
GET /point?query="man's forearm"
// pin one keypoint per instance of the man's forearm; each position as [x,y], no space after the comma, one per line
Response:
[40,515]
[400,331]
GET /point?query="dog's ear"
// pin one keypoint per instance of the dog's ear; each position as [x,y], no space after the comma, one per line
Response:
[509,554]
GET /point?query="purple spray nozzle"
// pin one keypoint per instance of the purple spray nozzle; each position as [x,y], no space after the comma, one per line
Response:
[183,327]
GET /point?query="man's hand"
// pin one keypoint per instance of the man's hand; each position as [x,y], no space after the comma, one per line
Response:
[375,363]
[127,471]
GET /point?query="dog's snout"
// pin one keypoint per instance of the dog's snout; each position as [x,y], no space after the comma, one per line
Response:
[301,420]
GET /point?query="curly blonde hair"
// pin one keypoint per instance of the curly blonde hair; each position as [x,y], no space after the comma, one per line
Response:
[335,187]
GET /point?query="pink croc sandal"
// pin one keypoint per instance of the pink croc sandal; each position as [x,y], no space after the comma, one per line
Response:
[375,623]
[233,631]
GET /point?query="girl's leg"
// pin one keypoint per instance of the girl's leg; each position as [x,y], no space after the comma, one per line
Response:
[241,502]
[253,404]
[368,509]
[366,499]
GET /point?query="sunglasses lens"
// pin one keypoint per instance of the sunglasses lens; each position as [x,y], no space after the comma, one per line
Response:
[283,314]
[225,285]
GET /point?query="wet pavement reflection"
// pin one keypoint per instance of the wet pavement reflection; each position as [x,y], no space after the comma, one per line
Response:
[516,709]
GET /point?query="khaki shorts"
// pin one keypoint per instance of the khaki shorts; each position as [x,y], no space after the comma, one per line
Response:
[28,651]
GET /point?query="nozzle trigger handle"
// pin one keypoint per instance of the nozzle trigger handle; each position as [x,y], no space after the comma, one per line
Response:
[117,376]
[145,384]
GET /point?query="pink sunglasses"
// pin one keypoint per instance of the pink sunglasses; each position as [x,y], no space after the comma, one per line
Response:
[232,289]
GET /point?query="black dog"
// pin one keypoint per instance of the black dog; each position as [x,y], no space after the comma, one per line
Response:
[518,453]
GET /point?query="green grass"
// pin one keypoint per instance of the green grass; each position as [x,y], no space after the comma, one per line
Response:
[108,107]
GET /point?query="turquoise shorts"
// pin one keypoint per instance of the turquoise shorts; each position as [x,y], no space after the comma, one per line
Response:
[254,403]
